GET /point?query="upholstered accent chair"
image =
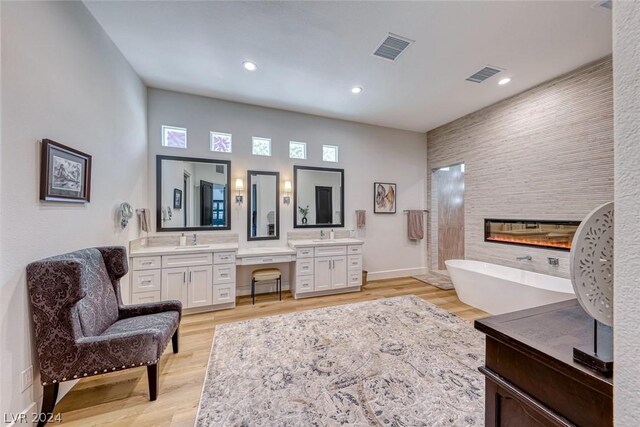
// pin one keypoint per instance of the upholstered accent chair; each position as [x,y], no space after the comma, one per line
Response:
[83,329]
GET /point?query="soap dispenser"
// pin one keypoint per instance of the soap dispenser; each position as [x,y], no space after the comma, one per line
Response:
[332,235]
[183,240]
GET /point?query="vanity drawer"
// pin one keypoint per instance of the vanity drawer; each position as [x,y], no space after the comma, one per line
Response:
[330,250]
[354,278]
[145,297]
[169,261]
[146,262]
[224,273]
[266,259]
[354,250]
[304,284]
[145,281]
[224,258]
[225,293]
[304,267]
[355,262]
[304,253]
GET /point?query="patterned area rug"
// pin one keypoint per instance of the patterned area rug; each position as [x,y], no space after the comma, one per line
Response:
[392,362]
[438,280]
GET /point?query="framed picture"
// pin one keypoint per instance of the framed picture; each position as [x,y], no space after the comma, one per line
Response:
[65,173]
[384,198]
[177,198]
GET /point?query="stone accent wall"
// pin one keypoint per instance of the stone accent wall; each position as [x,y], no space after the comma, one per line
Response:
[546,153]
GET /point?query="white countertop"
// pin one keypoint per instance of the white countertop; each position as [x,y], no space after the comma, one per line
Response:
[324,242]
[189,249]
[267,250]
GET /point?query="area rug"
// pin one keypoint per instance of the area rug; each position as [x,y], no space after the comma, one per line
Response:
[392,362]
[434,279]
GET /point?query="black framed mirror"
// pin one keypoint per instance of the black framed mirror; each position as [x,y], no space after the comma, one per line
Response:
[318,195]
[263,206]
[192,194]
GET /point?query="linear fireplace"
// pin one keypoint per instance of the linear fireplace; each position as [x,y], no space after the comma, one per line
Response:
[541,234]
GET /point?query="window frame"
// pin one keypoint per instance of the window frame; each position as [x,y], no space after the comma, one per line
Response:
[336,150]
[163,139]
[211,135]
[253,140]
[304,145]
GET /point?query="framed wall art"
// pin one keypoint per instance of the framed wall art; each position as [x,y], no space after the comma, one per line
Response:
[65,173]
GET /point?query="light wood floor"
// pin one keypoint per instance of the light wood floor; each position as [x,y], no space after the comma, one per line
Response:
[121,399]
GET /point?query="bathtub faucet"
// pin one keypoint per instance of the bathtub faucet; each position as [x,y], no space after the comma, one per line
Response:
[524,258]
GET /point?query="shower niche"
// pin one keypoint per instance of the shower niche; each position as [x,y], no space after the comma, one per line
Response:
[556,235]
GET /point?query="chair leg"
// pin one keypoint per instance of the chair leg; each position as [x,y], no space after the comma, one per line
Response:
[253,290]
[174,341]
[48,403]
[280,287]
[153,374]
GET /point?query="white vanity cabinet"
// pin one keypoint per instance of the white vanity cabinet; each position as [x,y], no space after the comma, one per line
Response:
[324,268]
[199,279]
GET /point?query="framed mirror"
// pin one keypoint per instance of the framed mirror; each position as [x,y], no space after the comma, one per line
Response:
[192,194]
[263,207]
[318,195]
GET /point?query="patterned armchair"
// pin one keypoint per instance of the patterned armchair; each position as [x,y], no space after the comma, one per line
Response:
[83,329]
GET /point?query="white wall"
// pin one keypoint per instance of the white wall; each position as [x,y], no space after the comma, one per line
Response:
[63,79]
[367,153]
[626,77]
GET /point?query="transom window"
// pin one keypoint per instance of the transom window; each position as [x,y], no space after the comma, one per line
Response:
[220,142]
[174,137]
[260,146]
[330,153]
[297,150]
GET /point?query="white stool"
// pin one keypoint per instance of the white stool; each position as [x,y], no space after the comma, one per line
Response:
[263,275]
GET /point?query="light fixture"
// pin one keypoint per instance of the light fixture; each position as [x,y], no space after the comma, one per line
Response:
[239,190]
[249,66]
[287,193]
[504,81]
[356,89]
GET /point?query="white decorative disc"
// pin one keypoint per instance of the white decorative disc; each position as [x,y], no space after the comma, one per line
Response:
[591,264]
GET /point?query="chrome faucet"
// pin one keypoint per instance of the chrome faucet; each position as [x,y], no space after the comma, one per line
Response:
[553,261]
[524,258]
[195,239]
[321,234]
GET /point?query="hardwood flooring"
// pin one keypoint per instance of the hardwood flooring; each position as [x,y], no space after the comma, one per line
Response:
[121,399]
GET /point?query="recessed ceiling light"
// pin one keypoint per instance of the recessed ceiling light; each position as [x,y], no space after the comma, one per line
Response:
[356,89]
[249,66]
[504,81]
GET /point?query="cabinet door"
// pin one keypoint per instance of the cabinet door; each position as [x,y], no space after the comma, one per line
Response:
[174,284]
[200,286]
[322,274]
[338,272]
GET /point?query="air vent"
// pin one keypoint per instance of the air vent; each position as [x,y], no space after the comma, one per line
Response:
[219,168]
[605,6]
[392,46]
[484,74]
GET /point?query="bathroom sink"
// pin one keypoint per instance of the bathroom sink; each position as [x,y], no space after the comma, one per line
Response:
[179,248]
[323,241]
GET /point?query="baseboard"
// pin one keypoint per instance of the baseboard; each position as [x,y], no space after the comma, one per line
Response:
[24,418]
[392,274]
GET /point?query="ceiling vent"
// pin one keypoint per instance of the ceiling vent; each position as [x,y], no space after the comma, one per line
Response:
[392,46]
[482,75]
[605,6]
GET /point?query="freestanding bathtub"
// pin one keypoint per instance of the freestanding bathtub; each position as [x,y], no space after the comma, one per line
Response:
[497,289]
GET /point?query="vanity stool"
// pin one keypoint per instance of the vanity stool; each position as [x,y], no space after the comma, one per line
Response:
[263,275]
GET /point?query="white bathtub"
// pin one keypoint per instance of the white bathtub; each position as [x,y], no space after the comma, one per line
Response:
[497,289]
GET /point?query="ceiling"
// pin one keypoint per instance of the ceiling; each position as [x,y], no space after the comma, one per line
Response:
[310,54]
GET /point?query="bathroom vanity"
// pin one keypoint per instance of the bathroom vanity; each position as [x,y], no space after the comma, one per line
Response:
[203,276]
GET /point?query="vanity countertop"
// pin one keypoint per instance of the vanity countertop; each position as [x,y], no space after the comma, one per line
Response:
[324,242]
[177,250]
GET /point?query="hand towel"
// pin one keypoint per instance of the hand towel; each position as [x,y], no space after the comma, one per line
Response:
[361,219]
[415,225]
[145,219]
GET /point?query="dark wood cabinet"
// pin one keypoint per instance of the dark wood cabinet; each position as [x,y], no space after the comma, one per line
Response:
[531,378]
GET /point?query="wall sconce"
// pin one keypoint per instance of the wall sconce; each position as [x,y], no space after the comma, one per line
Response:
[239,190]
[287,192]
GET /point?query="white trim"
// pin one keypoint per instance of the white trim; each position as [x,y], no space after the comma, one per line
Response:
[176,128]
[26,414]
[392,274]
